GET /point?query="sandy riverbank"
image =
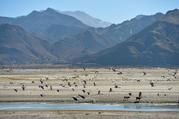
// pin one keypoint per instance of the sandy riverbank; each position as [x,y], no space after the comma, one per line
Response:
[86,114]
[60,85]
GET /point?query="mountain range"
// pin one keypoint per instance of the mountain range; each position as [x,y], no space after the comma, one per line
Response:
[50,36]
[156,45]
[48,24]
[94,40]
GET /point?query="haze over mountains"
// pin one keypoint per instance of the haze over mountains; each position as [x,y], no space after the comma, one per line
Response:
[87,19]
[48,24]
[50,36]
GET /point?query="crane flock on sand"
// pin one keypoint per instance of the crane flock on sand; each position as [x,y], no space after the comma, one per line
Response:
[43,84]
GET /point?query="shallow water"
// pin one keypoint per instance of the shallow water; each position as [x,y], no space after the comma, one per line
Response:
[122,107]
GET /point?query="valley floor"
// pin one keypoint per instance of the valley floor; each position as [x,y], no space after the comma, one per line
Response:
[157,85]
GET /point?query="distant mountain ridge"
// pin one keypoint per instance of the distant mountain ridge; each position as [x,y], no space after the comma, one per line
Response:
[156,45]
[172,16]
[51,37]
[100,38]
[87,19]
[121,32]
[42,23]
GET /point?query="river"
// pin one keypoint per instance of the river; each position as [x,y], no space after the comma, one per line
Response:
[121,107]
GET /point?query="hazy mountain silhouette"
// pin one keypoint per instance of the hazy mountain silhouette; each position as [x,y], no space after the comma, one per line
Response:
[87,19]
[47,23]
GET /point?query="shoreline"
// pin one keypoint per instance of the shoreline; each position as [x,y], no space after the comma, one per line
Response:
[87,102]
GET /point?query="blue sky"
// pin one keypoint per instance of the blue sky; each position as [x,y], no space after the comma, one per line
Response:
[114,11]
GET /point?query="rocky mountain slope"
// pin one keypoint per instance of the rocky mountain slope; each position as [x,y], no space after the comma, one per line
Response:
[156,45]
[20,47]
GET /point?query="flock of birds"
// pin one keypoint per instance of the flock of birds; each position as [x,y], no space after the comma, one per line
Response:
[43,84]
